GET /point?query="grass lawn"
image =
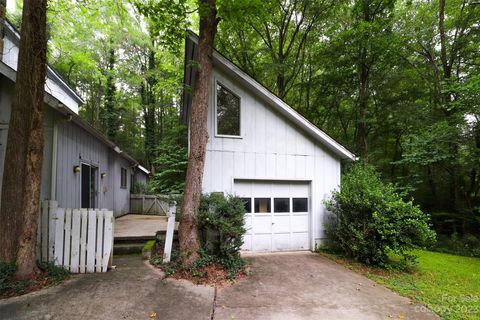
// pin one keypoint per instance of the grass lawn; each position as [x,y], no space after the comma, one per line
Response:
[447,284]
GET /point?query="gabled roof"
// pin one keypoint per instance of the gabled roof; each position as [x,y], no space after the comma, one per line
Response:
[10,72]
[222,63]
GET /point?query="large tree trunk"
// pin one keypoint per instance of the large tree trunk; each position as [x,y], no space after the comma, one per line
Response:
[188,232]
[23,160]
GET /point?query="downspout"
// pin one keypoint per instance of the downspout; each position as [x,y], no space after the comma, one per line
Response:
[53,184]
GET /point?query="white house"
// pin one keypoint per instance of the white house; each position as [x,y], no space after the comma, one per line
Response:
[262,150]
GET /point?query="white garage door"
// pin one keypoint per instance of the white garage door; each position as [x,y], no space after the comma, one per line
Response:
[277,215]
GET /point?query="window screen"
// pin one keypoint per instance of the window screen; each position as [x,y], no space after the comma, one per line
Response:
[300,204]
[262,205]
[281,204]
[248,204]
[228,112]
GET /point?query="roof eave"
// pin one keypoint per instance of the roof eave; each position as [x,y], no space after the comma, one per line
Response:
[51,73]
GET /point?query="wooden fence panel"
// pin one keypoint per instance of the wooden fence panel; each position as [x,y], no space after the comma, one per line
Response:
[75,252]
[83,240]
[108,240]
[99,248]
[80,240]
[59,233]
[67,238]
[91,237]
[148,204]
[52,210]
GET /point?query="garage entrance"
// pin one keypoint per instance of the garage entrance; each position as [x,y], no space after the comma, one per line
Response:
[277,215]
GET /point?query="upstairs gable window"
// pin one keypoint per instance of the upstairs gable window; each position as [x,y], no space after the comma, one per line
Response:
[227,112]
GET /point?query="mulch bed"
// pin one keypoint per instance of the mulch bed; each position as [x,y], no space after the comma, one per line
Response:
[212,274]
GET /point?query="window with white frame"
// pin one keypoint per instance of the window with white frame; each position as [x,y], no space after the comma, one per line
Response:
[227,112]
[123,178]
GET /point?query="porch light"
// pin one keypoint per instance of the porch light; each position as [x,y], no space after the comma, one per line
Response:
[76,169]
[103,175]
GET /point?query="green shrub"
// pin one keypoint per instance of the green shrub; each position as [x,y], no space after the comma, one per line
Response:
[370,220]
[221,226]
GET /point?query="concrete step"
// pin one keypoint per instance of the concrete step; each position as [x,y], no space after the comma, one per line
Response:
[127,248]
[134,244]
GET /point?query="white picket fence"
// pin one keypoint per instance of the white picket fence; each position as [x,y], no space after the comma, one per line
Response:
[80,240]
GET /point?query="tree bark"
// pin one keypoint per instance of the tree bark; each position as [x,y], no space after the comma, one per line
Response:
[3,11]
[110,107]
[23,160]
[188,230]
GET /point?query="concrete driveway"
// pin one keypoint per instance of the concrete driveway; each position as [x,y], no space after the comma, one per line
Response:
[309,286]
[281,286]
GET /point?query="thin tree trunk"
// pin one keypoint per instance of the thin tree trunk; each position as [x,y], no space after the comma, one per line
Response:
[23,161]
[3,11]
[188,230]
[362,134]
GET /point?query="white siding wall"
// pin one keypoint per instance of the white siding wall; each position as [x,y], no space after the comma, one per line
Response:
[270,148]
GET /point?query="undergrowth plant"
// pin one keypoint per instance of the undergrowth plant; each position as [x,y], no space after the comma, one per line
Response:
[369,221]
[221,228]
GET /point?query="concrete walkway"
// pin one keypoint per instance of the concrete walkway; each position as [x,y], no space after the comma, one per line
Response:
[130,292]
[281,286]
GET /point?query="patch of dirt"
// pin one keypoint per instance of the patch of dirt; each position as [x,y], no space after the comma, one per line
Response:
[212,275]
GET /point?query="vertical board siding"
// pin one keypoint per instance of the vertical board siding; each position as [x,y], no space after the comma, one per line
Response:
[82,239]
[77,146]
[270,147]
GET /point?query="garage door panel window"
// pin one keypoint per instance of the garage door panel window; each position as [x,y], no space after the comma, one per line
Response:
[262,205]
[281,205]
[300,204]
[248,204]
